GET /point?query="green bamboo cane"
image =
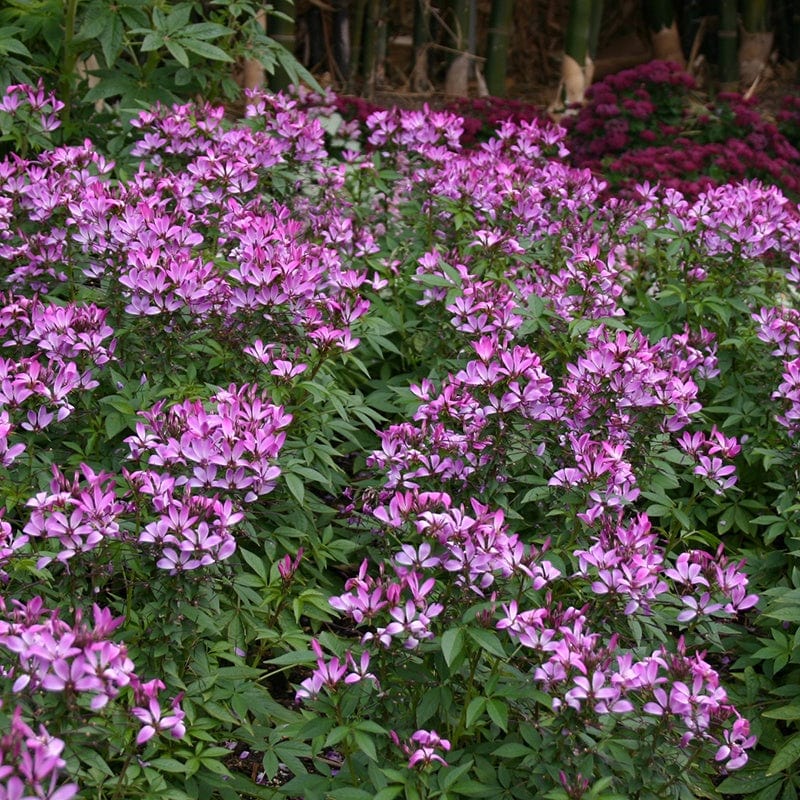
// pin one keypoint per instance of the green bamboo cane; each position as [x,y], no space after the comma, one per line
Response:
[662,22]
[282,31]
[498,39]
[68,61]
[728,62]
[794,47]
[577,38]
[595,21]
[658,14]
[381,37]
[756,41]
[576,46]
[341,39]
[356,39]
[795,29]
[459,23]
[370,42]
[755,15]
[421,42]
[460,63]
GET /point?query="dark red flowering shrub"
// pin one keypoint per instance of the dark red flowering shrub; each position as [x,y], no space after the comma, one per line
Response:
[642,124]
[788,119]
[644,105]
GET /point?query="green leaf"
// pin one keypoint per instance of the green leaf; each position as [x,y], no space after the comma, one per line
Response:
[784,712]
[167,764]
[115,424]
[470,788]
[177,52]
[217,767]
[177,20]
[111,40]
[498,713]
[389,792]
[295,486]
[487,640]
[351,793]
[256,563]
[747,784]
[205,50]
[94,759]
[428,705]
[450,775]
[785,757]
[452,645]
[153,41]
[365,744]
[785,613]
[512,750]
[475,709]
[205,30]
[293,658]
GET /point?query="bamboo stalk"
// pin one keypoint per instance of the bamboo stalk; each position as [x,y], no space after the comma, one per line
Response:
[370,41]
[660,16]
[380,41]
[283,32]
[595,21]
[576,45]
[756,40]
[356,39]
[499,37]
[421,43]
[341,39]
[728,63]
[457,80]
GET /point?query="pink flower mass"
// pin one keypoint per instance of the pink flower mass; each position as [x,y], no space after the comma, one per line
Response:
[214,395]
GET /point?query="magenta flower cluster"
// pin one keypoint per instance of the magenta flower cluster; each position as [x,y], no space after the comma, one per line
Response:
[201,467]
[585,426]
[30,763]
[44,654]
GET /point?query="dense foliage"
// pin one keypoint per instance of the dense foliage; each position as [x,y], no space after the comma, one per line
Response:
[354,465]
[108,61]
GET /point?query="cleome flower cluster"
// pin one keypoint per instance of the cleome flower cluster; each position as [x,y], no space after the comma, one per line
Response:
[505,527]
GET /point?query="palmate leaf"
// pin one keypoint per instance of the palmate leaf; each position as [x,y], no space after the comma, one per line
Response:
[452,644]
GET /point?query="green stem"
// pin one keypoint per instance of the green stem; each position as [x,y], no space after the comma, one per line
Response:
[118,789]
[461,725]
